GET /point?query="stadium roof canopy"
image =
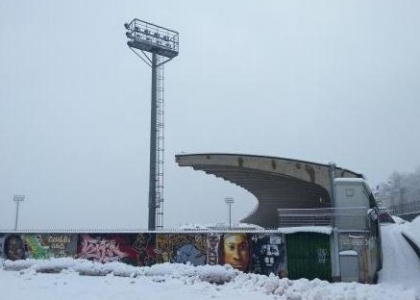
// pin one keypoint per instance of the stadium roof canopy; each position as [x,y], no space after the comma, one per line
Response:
[275,182]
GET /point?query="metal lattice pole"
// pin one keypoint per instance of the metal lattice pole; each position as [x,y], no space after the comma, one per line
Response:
[161,43]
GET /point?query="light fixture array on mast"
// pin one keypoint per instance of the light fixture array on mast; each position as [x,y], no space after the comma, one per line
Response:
[163,45]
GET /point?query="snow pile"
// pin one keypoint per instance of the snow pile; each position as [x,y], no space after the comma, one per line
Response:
[193,227]
[211,274]
[218,226]
[398,220]
[120,281]
[412,230]
[401,265]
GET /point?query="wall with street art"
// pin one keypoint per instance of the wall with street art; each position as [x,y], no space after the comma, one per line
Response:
[181,248]
[256,252]
[106,248]
[37,246]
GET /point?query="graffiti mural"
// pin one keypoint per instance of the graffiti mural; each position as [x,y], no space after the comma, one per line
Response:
[322,255]
[181,248]
[144,245]
[2,236]
[46,246]
[268,254]
[108,248]
[236,251]
[14,247]
[213,246]
[257,252]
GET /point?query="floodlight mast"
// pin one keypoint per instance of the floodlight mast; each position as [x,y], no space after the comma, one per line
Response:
[163,45]
[229,201]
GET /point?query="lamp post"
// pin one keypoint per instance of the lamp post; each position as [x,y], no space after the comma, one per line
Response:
[229,201]
[18,199]
[162,44]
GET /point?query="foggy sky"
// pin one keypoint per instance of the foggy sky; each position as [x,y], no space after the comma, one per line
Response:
[323,81]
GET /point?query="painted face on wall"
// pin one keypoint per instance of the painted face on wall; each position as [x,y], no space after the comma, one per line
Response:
[14,248]
[270,254]
[236,250]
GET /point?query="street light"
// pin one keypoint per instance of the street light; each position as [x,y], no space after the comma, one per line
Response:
[18,199]
[229,201]
[145,38]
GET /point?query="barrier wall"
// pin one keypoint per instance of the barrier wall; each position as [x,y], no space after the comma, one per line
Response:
[261,253]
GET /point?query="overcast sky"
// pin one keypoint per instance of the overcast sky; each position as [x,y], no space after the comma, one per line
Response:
[323,81]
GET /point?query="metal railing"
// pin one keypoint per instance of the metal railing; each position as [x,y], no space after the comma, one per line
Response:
[349,217]
[405,208]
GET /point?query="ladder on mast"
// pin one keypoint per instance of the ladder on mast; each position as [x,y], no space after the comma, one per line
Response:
[160,144]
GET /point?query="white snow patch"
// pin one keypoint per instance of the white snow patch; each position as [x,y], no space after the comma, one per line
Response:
[348,252]
[317,229]
[401,266]
[412,231]
[398,220]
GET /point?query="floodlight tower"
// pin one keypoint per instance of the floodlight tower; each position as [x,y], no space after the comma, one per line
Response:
[229,201]
[18,199]
[155,45]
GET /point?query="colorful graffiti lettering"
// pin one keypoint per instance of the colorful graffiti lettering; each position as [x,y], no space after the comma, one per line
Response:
[61,245]
[104,249]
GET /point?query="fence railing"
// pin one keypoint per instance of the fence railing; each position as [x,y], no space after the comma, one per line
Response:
[349,217]
[405,208]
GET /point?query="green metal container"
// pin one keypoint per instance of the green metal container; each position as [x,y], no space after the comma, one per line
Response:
[308,255]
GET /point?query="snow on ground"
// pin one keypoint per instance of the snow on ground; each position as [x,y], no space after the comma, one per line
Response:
[398,220]
[173,281]
[401,267]
[399,279]
[413,231]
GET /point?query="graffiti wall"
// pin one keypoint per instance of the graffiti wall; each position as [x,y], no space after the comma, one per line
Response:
[50,245]
[236,250]
[37,246]
[269,254]
[106,248]
[261,253]
[181,248]
[144,246]
[14,247]
[213,249]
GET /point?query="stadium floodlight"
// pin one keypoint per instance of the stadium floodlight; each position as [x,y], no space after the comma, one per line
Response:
[152,38]
[17,199]
[229,201]
[145,38]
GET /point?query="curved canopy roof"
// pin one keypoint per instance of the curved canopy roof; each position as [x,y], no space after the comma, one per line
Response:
[275,182]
